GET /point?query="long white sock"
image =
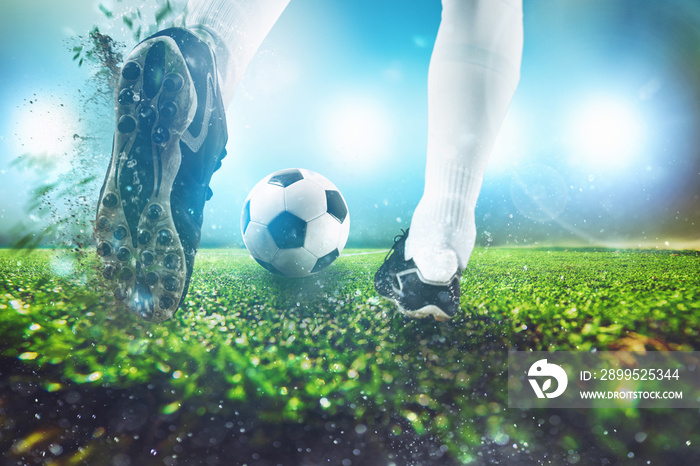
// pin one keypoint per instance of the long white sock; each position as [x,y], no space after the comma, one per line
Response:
[235,29]
[474,70]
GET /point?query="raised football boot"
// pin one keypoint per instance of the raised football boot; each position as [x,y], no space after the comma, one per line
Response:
[170,137]
[400,280]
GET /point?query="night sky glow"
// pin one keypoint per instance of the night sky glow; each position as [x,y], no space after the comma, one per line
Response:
[601,145]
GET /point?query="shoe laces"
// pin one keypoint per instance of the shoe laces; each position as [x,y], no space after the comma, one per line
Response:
[397,240]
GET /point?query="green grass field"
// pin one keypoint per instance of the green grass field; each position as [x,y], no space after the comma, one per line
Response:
[259,369]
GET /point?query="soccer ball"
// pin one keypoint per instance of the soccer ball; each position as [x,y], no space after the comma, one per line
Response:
[295,222]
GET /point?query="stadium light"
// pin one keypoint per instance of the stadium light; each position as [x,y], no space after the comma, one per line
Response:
[359,129]
[605,134]
[44,127]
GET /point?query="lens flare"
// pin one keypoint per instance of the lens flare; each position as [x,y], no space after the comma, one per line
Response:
[359,130]
[606,134]
[44,127]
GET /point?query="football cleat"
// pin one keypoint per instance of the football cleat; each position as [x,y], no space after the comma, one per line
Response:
[170,138]
[400,280]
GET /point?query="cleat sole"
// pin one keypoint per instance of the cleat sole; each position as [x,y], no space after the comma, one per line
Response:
[134,205]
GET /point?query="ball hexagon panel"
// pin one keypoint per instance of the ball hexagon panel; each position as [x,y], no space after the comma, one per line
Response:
[344,233]
[268,266]
[287,230]
[322,235]
[266,202]
[259,242]
[297,262]
[305,199]
[317,179]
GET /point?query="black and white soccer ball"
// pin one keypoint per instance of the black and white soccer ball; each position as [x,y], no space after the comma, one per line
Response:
[295,222]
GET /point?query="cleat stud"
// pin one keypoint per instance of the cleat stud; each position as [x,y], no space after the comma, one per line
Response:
[173,82]
[166,302]
[104,249]
[147,116]
[171,261]
[151,278]
[126,274]
[154,212]
[170,283]
[148,258]
[126,97]
[168,110]
[131,71]
[120,233]
[160,135]
[123,254]
[165,237]
[109,272]
[126,124]
[110,200]
[144,237]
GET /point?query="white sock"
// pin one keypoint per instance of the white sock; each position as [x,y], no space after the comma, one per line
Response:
[474,70]
[235,29]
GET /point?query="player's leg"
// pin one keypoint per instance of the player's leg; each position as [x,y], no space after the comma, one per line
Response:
[474,70]
[234,29]
[170,137]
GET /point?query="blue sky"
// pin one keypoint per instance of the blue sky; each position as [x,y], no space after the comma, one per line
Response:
[603,124]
